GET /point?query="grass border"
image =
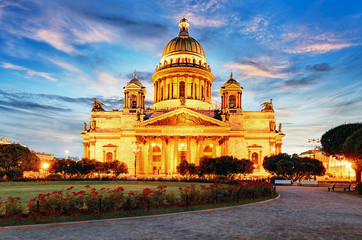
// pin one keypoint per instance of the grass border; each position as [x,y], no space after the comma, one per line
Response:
[137,214]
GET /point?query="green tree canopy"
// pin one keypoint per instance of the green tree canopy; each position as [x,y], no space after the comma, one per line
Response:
[293,167]
[352,149]
[333,140]
[15,158]
[345,140]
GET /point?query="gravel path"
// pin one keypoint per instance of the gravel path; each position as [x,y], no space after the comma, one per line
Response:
[300,213]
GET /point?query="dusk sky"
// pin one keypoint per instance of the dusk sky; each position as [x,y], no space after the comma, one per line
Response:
[56,56]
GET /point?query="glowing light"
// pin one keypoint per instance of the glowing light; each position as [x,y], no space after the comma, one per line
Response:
[182,144]
[210,145]
[45,165]
[153,144]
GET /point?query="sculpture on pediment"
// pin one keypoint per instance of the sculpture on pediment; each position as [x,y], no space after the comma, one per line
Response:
[267,106]
[272,126]
[138,116]
[85,126]
[97,106]
[182,120]
[280,127]
[92,125]
[227,116]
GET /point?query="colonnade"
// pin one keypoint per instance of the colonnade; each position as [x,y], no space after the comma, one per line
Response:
[177,86]
[174,149]
[226,98]
[129,97]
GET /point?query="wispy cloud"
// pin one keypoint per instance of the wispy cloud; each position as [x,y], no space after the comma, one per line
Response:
[320,67]
[264,67]
[318,48]
[29,72]
[64,65]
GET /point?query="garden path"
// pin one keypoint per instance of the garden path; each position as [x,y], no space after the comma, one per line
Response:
[300,213]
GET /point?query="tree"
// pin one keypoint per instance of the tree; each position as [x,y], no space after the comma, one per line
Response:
[187,169]
[333,144]
[225,165]
[352,149]
[293,167]
[15,158]
[118,167]
[85,166]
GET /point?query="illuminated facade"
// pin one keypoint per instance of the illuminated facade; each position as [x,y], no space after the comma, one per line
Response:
[184,123]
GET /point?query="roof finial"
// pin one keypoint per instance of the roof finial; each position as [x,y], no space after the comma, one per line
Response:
[231,74]
[135,74]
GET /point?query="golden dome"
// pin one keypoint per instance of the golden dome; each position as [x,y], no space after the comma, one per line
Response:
[135,80]
[183,44]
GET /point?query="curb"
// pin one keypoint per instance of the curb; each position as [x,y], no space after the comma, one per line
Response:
[132,218]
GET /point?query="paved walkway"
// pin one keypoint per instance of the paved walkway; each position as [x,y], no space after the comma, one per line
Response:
[300,213]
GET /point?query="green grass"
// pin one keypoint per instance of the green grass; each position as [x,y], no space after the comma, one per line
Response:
[121,214]
[29,190]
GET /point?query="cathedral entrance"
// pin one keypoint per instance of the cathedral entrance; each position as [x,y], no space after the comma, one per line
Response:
[156,160]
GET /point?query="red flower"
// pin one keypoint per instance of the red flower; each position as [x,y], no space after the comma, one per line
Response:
[87,186]
[131,194]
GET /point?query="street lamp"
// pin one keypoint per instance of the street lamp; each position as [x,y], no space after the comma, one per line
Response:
[66,154]
[313,142]
[136,149]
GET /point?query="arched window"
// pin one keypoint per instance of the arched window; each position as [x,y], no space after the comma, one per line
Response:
[109,157]
[134,101]
[171,60]
[182,89]
[207,151]
[168,91]
[192,90]
[194,61]
[232,101]
[200,62]
[254,158]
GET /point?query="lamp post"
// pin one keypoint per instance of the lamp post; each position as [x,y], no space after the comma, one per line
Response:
[136,149]
[313,142]
[66,154]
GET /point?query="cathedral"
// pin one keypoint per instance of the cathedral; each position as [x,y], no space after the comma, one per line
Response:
[184,123]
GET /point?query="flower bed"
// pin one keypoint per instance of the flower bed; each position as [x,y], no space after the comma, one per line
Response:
[91,200]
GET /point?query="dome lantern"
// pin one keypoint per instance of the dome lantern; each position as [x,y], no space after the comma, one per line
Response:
[183,27]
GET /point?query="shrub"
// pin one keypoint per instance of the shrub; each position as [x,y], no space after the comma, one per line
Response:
[54,176]
[359,188]
[272,179]
[13,206]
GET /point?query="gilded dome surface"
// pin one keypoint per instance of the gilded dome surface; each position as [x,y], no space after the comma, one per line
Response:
[183,43]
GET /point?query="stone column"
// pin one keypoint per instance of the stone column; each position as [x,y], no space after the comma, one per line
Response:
[150,156]
[214,147]
[226,142]
[175,154]
[164,155]
[188,149]
[201,149]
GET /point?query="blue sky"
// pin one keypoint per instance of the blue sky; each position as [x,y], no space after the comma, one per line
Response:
[56,56]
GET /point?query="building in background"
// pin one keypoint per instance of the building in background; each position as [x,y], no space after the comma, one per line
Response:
[184,123]
[4,141]
[335,168]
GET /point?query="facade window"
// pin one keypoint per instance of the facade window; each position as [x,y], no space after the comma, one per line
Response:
[192,90]
[161,93]
[156,154]
[254,158]
[168,91]
[207,151]
[134,101]
[207,90]
[109,157]
[182,89]
[232,101]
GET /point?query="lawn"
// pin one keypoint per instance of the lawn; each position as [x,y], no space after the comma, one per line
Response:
[29,190]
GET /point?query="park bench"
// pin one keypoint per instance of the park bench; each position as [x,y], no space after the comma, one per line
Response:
[345,186]
[283,182]
[308,183]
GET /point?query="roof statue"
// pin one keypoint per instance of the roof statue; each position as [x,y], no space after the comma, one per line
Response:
[97,106]
[267,106]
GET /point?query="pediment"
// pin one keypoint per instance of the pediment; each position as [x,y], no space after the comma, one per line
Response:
[183,117]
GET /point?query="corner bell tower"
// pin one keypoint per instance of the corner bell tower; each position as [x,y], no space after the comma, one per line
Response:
[134,95]
[231,96]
